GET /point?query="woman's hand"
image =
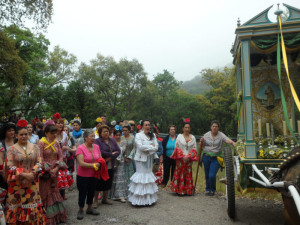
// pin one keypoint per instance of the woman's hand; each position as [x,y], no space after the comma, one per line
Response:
[65,148]
[185,159]
[202,140]
[55,170]
[107,159]
[161,159]
[127,160]
[27,176]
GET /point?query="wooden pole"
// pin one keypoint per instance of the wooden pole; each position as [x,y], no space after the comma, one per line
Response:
[198,165]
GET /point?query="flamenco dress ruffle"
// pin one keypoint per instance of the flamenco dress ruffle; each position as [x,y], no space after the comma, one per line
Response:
[142,189]
[24,205]
[51,198]
[182,182]
[64,179]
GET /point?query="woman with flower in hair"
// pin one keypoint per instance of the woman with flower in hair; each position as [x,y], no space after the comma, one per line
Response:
[185,153]
[24,205]
[64,178]
[142,189]
[52,162]
[98,124]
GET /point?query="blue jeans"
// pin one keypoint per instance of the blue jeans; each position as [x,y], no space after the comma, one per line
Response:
[211,167]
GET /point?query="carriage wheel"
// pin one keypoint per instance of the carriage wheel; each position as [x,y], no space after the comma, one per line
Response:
[230,190]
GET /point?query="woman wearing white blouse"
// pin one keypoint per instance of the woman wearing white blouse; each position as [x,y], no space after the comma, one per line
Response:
[185,153]
[142,189]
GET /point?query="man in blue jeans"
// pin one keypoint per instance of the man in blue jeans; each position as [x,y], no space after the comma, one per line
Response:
[212,148]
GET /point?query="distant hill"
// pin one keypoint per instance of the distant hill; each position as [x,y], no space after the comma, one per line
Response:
[195,86]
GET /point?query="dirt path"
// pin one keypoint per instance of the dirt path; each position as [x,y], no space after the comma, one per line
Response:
[176,210]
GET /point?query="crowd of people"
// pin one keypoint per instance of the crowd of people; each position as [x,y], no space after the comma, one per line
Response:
[40,160]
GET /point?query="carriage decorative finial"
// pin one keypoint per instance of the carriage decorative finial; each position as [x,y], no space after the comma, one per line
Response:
[278,12]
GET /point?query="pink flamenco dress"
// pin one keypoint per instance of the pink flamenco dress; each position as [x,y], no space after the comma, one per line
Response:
[23,203]
[52,159]
[182,182]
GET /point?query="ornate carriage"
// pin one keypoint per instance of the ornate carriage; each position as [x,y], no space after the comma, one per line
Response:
[262,51]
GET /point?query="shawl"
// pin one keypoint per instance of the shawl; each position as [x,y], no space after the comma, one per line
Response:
[77,134]
[49,145]
[103,172]
[186,147]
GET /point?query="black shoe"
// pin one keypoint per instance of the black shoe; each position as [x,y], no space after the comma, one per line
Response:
[211,193]
[92,212]
[80,215]
[207,193]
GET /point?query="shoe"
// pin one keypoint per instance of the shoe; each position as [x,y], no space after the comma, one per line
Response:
[123,200]
[106,202]
[207,193]
[163,186]
[80,215]
[92,212]
[95,205]
[211,193]
[65,198]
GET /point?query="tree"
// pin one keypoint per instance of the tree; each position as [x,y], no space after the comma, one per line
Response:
[220,101]
[167,86]
[79,99]
[134,80]
[116,84]
[12,68]
[44,70]
[18,11]
[61,65]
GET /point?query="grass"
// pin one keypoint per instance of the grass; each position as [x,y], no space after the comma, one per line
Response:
[200,187]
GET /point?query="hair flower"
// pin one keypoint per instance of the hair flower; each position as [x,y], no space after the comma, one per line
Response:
[187,120]
[48,123]
[139,127]
[99,120]
[22,123]
[117,127]
[57,116]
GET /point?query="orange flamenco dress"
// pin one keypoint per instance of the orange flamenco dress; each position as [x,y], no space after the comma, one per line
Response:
[182,182]
[24,204]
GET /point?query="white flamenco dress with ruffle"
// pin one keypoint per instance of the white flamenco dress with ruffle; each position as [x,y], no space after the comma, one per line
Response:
[142,189]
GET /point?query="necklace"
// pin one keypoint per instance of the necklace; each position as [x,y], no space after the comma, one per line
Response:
[25,151]
[187,142]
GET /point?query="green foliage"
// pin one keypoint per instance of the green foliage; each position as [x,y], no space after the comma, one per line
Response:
[116,85]
[17,11]
[220,101]
[43,71]
[12,68]
[39,82]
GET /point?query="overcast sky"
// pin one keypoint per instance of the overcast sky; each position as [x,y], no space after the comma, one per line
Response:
[183,37]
